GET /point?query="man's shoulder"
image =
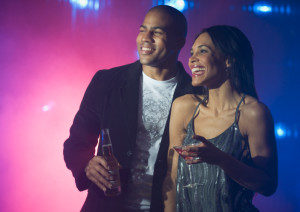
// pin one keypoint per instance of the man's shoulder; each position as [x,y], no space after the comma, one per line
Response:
[115,71]
[115,75]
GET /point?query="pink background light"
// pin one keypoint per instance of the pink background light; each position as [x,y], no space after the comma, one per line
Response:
[45,60]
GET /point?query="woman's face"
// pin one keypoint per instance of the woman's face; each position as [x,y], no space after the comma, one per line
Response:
[208,65]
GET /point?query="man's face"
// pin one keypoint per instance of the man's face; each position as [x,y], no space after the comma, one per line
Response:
[155,43]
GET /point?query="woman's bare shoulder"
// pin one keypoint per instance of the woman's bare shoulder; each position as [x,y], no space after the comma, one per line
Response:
[182,111]
[254,110]
[186,102]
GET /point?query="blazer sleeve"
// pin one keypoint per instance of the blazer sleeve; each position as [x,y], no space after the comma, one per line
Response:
[79,148]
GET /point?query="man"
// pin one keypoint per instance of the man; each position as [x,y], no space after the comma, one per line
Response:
[133,101]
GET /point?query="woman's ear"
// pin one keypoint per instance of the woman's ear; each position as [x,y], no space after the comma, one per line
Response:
[228,63]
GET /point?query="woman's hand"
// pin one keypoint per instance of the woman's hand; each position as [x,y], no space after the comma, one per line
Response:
[203,152]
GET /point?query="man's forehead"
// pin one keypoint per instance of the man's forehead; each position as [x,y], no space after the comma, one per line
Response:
[157,19]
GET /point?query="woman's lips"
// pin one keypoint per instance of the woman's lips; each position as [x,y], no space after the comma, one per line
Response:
[198,71]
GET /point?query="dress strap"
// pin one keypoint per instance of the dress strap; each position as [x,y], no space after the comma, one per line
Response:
[200,102]
[237,112]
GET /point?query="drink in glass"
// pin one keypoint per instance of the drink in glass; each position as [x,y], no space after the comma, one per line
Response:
[182,150]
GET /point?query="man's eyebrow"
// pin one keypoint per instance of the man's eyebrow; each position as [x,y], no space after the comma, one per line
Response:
[161,28]
[154,28]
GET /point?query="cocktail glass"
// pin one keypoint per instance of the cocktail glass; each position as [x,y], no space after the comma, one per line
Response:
[181,151]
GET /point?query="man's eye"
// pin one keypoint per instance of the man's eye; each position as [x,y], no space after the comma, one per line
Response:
[158,33]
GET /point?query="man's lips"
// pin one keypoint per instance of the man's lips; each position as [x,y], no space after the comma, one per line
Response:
[146,50]
[198,70]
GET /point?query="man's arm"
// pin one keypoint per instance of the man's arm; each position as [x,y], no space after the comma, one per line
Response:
[79,148]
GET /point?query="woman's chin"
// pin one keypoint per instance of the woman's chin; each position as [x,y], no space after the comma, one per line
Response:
[197,83]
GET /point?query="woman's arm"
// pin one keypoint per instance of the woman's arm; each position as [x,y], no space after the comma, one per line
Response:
[177,134]
[259,127]
[261,138]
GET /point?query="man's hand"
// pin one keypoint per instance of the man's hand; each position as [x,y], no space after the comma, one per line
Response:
[97,172]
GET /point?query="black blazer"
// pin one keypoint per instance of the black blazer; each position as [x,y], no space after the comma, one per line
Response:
[111,101]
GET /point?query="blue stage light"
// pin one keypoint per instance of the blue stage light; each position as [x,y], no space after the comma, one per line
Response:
[284,131]
[262,8]
[265,8]
[85,4]
[178,4]
[82,4]
[280,131]
[96,6]
[288,9]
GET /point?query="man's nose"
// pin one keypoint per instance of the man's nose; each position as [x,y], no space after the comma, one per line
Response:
[147,36]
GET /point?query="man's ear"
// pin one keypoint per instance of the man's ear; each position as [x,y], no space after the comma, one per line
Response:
[180,41]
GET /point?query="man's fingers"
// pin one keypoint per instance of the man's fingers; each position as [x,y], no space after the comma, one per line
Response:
[98,183]
[103,172]
[97,178]
[101,160]
[97,172]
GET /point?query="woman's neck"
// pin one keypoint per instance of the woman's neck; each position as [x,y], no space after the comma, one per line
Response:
[223,97]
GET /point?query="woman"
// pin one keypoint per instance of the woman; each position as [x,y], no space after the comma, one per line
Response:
[234,152]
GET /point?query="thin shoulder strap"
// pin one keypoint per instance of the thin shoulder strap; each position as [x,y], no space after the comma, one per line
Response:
[237,112]
[193,118]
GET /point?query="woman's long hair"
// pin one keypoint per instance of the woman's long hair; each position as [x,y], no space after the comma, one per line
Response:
[237,49]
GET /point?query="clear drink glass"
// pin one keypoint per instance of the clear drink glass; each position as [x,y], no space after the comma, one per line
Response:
[181,150]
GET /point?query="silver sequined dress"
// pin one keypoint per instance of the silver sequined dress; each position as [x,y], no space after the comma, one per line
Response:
[214,190]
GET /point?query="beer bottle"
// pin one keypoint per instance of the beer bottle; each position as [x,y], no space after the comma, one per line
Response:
[107,152]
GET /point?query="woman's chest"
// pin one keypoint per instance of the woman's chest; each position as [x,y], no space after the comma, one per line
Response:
[210,126]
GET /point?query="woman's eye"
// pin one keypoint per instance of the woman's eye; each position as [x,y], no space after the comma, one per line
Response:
[202,51]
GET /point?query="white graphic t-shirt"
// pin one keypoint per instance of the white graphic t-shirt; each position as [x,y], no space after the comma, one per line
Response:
[153,110]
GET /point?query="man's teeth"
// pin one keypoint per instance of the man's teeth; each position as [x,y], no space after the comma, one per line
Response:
[146,49]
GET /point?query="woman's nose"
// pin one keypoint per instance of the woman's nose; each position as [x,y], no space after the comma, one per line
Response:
[193,59]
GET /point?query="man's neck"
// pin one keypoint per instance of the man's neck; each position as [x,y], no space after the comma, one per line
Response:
[160,73]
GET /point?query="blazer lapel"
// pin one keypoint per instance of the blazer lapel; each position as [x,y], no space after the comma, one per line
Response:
[129,100]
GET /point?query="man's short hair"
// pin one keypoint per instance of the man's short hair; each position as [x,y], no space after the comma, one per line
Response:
[179,24]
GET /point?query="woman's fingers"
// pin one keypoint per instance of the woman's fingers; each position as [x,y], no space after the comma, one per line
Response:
[194,160]
[200,138]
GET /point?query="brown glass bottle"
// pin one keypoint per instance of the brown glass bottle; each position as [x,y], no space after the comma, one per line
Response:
[107,153]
